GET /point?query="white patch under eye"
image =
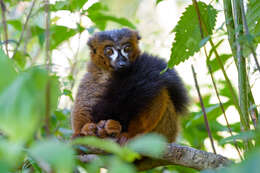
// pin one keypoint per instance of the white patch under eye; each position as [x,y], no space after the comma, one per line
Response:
[114,55]
[124,53]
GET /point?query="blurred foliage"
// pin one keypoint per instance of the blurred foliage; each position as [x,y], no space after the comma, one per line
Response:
[24,143]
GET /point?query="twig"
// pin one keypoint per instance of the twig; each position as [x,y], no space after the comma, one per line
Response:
[223,110]
[174,155]
[3,8]
[203,110]
[24,28]
[47,63]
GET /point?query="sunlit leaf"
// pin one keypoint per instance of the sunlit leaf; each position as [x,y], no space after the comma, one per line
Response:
[158,1]
[97,15]
[71,5]
[188,36]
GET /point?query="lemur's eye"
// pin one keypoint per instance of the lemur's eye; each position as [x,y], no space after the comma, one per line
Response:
[108,51]
[127,48]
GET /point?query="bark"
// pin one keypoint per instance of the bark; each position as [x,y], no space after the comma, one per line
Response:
[174,155]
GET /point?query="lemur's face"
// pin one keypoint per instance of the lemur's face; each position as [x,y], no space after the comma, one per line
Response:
[114,50]
[119,55]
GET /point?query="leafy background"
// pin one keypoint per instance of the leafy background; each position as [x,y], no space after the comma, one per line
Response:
[26,145]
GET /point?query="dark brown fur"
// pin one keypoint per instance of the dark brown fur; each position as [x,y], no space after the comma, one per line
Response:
[158,115]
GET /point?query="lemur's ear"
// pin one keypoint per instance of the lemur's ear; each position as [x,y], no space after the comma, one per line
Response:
[91,42]
[137,35]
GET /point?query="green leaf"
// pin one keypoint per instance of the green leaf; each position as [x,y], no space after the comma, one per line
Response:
[97,15]
[7,71]
[118,166]
[241,136]
[214,63]
[108,146]
[71,5]
[16,24]
[152,145]
[10,153]
[20,58]
[188,36]
[95,165]
[253,18]
[68,93]
[158,1]
[58,155]
[22,103]
[60,34]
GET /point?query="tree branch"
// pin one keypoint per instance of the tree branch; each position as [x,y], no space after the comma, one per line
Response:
[174,155]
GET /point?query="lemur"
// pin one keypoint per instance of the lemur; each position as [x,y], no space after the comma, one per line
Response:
[125,93]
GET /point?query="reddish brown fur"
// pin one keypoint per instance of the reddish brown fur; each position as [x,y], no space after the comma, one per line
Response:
[159,117]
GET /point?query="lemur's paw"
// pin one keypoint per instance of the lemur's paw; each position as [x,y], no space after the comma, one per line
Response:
[109,128]
[113,128]
[89,129]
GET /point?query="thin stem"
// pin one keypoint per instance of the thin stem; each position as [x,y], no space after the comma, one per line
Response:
[203,110]
[229,84]
[47,63]
[24,28]
[223,110]
[3,9]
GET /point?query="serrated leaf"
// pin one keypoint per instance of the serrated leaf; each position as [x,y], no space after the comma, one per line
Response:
[109,146]
[188,36]
[57,155]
